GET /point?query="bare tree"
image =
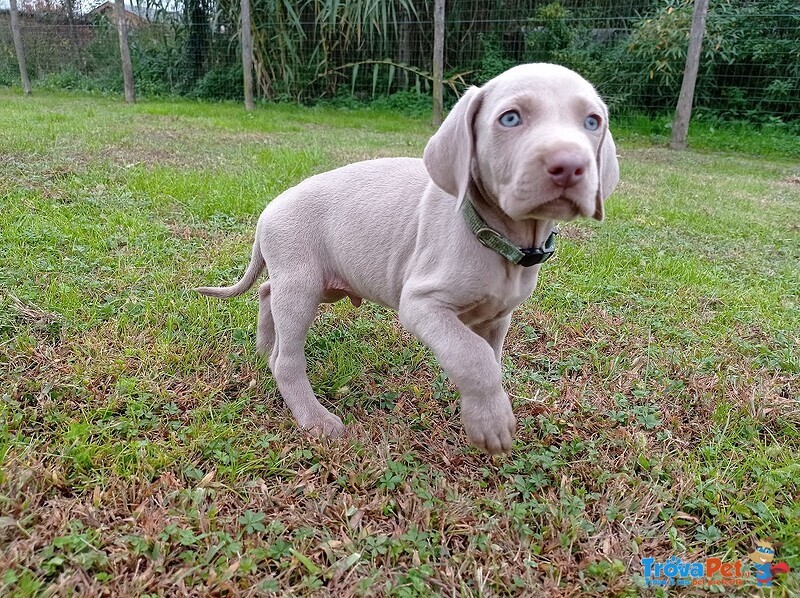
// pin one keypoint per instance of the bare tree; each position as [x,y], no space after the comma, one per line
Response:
[69,7]
[199,39]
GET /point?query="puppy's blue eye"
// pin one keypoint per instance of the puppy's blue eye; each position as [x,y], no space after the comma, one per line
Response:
[510,119]
[591,122]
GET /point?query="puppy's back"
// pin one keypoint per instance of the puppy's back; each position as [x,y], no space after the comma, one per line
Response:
[357,223]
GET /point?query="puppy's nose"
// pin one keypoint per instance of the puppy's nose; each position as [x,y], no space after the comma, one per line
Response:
[566,168]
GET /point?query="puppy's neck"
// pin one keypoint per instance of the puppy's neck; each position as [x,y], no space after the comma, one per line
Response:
[523,233]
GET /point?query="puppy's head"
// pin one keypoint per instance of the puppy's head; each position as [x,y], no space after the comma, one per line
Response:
[536,140]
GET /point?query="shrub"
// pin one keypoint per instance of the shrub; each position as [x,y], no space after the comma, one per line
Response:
[405,102]
[493,59]
[221,83]
[757,59]
[70,79]
[549,33]
[750,61]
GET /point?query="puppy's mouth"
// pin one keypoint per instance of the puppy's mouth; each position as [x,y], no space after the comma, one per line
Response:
[561,205]
[560,208]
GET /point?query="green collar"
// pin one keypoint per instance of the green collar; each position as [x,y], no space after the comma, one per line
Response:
[497,242]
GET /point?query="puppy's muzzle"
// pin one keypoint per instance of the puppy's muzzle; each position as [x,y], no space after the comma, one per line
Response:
[566,168]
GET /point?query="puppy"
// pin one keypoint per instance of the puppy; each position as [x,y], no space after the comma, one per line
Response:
[453,241]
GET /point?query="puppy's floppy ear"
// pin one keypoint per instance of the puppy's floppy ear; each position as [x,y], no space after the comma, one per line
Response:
[607,169]
[448,155]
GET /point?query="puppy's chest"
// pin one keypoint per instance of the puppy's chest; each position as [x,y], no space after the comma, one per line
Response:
[487,304]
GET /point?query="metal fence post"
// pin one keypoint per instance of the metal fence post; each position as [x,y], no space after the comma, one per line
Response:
[683,112]
[15,32]
[124,50]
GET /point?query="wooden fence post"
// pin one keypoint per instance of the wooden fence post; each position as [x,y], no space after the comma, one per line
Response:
[247,55]
[438,62]
[683,111]
[124,50]
[17,35]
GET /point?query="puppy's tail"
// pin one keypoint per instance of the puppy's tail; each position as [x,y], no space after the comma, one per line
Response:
[255,268]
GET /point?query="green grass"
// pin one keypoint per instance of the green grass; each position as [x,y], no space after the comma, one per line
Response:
[779,140]
[144,449]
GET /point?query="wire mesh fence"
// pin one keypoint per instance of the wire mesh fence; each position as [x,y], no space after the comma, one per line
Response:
[381,50]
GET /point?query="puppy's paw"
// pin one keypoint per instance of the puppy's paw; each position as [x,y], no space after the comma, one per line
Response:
[323,424]
[489,423]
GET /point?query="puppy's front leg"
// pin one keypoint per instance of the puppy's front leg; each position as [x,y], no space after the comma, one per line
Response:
[471,363]
[494,333]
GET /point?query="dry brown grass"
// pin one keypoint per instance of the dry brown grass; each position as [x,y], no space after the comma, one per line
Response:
[144,449]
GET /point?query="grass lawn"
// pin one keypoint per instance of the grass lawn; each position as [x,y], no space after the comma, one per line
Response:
[144,450]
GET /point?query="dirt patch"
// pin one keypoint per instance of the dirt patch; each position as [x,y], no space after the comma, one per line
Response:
[187,233]
[31,314]
[575,233]
[168,143]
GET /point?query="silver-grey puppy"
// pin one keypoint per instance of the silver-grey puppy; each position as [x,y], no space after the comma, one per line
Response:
[453,240]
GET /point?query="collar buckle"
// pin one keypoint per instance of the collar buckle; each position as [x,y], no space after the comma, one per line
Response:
[538,255]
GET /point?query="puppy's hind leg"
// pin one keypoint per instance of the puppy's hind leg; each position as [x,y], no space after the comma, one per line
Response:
[265,333]
[294,306]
